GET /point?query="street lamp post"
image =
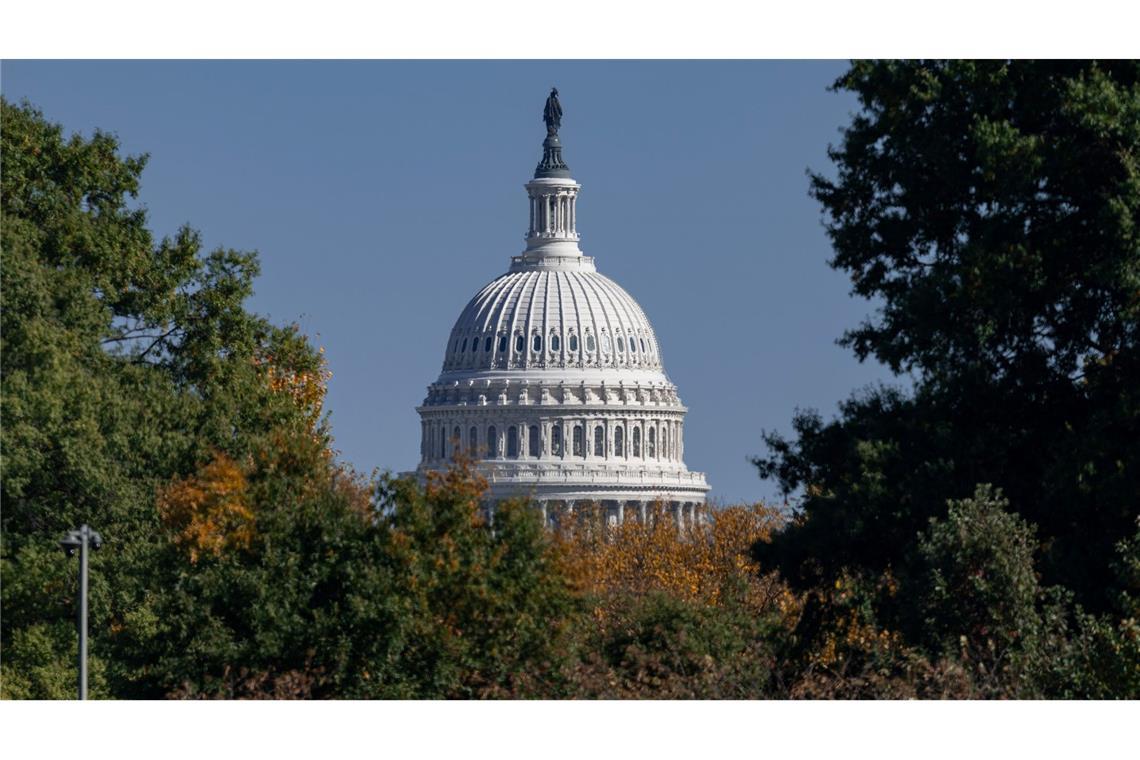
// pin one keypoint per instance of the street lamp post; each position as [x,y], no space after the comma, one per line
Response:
[82,540]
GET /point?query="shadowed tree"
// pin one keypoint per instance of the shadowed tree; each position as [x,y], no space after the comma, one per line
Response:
[991,210]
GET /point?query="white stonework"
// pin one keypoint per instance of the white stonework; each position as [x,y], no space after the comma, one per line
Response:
[553,381]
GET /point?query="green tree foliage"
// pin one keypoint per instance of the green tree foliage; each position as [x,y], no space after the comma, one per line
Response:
[965,617]
[658,645]
[991,211]
[976,583]
[125,362]
[486,612]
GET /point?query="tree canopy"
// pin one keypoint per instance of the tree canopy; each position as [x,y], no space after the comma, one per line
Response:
[127,361]
[990,211]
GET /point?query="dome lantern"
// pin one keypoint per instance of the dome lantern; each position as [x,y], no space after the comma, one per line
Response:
[552,235]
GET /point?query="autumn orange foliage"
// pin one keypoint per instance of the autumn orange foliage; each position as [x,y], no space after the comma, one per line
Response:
[213,509]
[306,389]
[706,563]
[209,511]
[460,481]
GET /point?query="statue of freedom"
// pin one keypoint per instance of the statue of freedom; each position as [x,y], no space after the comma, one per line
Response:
[552,113]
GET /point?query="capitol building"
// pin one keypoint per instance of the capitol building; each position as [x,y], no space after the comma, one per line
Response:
[553,381]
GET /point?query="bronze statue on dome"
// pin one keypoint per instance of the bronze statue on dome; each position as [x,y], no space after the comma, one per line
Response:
[552,113]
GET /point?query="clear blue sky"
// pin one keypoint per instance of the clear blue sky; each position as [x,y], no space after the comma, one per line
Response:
[382,195]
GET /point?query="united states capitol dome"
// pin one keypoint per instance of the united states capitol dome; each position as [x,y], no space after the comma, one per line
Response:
[535,318]
[552,377]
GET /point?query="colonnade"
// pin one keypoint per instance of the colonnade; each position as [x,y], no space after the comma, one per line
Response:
[585,438]
[553,214]
[685,514]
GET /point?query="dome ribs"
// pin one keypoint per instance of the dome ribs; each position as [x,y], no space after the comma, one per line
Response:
[531,302]
[528,325]
[506,304]
[623,300]
[563,324]
[609,326]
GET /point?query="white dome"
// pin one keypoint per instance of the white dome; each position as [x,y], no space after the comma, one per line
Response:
[553,380]
[552,320]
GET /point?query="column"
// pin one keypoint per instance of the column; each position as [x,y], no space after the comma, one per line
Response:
[642,511]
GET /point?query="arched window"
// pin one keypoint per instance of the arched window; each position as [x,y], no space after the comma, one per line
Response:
[492,442]
[665,452]
[536,344]
[619,441]
[652,443]
[456,441]
[533,448]
[464,346]
[473,440]
[606,345]
[455,346]
[573,342]
[512,442]
[637,442]
[633,345]
[643,349]
[442,442]
[579,441]
[555,344]
[487,344]
[520,344]
[621,344]
[590,345]
[475,344]
[599,441]
[556,440]
[502,344]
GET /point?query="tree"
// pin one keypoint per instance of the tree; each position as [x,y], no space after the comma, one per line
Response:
[486,612]
[126,362]
[673,614]
[992,211]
